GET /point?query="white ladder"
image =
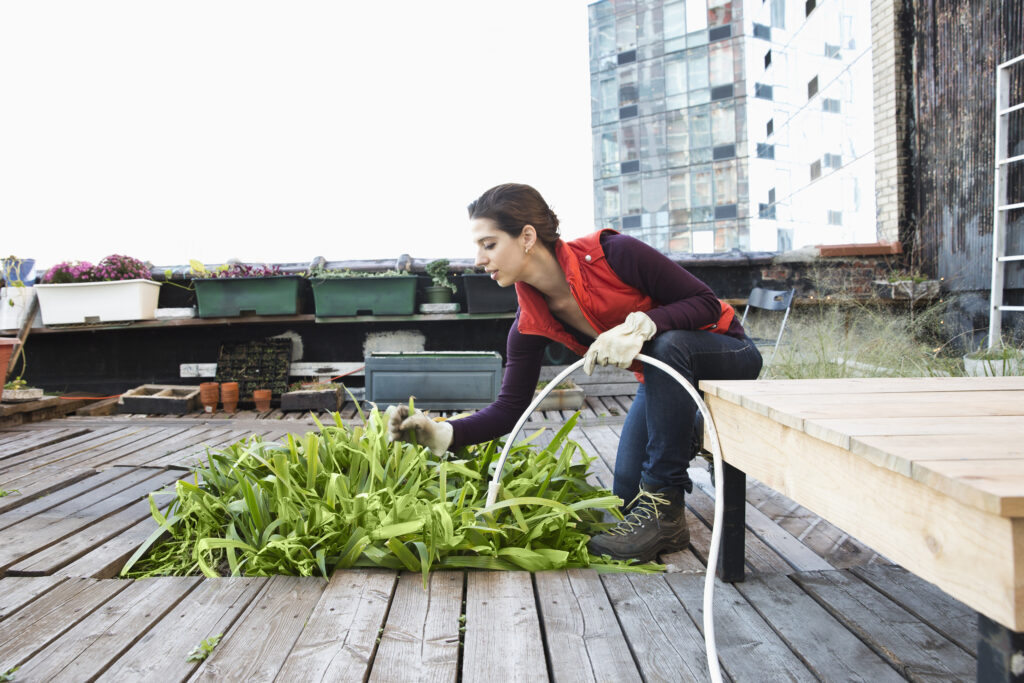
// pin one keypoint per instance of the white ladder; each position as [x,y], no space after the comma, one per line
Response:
[999,216]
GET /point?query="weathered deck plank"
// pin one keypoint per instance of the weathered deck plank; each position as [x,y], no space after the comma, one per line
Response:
[950,617]
[340,636]
[584,639]
[16,592]
[255,648]
[105,561]
[665,643]
[420,641]
[17,443]
[39,491]
[161,653]
[501,618]
[42,621]
[748,648]
[91,645]
[39,531]
[915,649]
[831,651]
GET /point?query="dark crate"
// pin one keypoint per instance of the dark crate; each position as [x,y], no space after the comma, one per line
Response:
[484,295]
[160,399]
[316,400]
[455,380]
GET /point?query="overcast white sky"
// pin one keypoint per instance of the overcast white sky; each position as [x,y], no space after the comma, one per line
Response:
[279,131]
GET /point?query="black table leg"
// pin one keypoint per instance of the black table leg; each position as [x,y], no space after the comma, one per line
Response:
[733,489]
[1000,652]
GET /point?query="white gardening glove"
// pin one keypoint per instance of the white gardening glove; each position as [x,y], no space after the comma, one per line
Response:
[619,345]
[402,426]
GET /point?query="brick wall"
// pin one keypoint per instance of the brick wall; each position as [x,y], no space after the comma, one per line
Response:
[892,162]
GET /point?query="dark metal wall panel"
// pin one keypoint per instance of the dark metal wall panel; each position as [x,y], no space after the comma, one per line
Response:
[957,46]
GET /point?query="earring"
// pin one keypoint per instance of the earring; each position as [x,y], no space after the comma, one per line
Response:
[526,251]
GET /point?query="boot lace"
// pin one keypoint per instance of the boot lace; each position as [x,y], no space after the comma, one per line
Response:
[644,508]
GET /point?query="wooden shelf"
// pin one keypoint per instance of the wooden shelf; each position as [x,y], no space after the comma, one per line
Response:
[251,319]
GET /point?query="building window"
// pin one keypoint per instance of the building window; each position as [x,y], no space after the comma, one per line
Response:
[832,51]
[719,33]
[628,112]
[723,152]
[831,105]
[762,31]
[785,239]
[721,92]
[767,59]
[816,170]
[809,7]
[766,211]
[632,221]
[812,87]
[765,151]
[763,91]
[835,217]
[771,196]
[779,13]
[630,166]
[627,57]
[833,160]
[770,127]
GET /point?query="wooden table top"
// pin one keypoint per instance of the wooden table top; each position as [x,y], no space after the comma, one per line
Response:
[962,436]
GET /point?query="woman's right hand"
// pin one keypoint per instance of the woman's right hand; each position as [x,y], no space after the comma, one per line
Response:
[403,426]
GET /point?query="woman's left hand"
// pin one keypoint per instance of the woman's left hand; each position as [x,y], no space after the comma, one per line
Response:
[620,345]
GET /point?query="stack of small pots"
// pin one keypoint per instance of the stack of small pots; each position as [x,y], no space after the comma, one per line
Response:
[209,394]
[229,396]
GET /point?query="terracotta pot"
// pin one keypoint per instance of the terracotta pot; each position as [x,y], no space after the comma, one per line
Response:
[229,396]
[209,393]
[7,347]
[262,399]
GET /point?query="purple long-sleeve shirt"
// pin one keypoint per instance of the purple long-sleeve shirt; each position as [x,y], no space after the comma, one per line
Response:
[682,302]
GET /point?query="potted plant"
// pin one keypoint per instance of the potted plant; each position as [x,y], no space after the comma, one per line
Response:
[484,295]
[566,396]
[17,292]
[17,270]
[7,345]
[315,396]
[440,292]
[344,292]
[237,289]
[907,285]
[998,361]
[118,288]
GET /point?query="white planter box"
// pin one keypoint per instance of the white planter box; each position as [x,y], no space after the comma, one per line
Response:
[999,367]
[14,303]
[98,302]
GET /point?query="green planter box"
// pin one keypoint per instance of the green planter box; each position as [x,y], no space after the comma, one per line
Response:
[364,296]
[440,380]
[232,297]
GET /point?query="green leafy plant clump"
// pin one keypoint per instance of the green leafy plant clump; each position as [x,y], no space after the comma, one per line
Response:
[439,274]
[345,497]
[323,273]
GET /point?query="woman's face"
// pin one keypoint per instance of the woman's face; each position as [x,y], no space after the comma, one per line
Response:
[500,254]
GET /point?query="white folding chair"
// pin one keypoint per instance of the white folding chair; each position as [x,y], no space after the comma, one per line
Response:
[770,300]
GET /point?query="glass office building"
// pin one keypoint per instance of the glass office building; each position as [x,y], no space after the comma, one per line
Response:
[704,140]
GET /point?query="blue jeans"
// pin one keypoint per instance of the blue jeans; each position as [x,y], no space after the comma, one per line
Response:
[654,447]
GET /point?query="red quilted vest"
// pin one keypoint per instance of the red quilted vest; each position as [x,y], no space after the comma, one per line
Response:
[603,298]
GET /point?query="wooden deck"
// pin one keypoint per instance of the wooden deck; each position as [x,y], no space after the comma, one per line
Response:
[817,604]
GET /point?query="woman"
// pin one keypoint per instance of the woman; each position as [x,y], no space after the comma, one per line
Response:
[608,297]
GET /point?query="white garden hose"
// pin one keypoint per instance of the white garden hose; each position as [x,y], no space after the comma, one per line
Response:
[716,530]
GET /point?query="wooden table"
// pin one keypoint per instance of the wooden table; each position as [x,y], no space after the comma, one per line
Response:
[927,471]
